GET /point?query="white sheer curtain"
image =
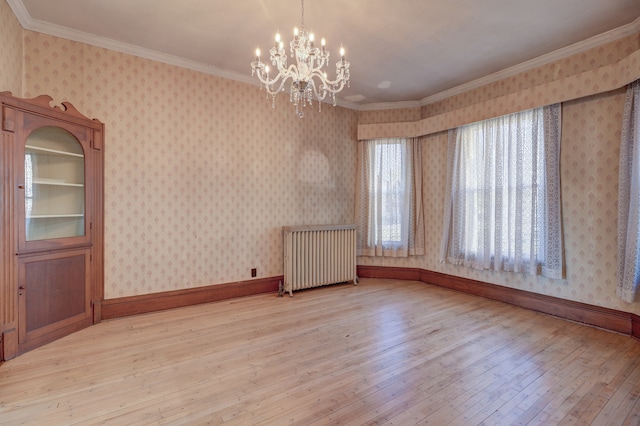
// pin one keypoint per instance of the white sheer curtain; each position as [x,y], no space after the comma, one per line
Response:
[502,205]
[389,208]
[629,198]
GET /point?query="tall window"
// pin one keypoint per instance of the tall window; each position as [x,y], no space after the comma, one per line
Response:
[503,194]
[389,206]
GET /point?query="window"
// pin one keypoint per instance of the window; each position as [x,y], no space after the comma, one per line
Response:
[503,194]
[388,188]
[390,203]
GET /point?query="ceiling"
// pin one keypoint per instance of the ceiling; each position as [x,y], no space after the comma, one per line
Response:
[402,52]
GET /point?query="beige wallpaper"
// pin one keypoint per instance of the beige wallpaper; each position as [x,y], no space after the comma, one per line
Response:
[201,172]
[10,51]
[589,173]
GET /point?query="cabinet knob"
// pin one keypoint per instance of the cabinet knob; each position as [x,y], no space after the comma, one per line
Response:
[21,186]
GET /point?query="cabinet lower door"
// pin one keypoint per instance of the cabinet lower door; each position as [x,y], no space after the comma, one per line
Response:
[54,294]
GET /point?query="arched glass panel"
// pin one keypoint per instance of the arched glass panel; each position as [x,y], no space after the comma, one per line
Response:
[54,185]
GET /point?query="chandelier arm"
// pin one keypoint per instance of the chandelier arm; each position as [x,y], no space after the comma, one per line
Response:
[280,86]
[268,84]
[321,76]
[319,62]
[333,89]
[293,71]
[262,77]
[340,81]
[283,75]
[319,96]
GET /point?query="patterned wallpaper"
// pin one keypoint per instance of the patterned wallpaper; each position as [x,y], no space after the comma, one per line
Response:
[589,172]
[200,172]
[10,51]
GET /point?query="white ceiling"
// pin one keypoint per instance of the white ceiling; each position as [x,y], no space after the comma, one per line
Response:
[403,52]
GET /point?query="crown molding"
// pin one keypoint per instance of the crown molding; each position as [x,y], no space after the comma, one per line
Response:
[342,103]
[63,32]
[556,55]
[35,25]
[31,24]
[20,11]
[389,105]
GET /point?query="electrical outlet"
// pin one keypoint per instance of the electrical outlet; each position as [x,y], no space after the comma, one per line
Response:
[254,272]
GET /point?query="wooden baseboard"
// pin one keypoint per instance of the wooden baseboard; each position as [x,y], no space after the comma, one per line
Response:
[133,305]
[610,319]
[392,273]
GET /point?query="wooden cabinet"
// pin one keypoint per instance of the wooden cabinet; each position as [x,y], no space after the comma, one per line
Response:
[51,223]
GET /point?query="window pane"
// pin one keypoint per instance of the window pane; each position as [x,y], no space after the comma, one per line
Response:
[500,187]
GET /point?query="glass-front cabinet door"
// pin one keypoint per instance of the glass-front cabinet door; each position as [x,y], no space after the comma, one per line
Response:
[53,185]
[54,193]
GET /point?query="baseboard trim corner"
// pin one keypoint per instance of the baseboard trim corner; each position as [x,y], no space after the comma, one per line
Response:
[609,319]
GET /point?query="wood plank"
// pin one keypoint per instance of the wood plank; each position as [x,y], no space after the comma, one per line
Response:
[382,352]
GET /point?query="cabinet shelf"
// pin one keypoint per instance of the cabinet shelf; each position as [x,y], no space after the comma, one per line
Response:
[49,216]
[55,182]
[53,151]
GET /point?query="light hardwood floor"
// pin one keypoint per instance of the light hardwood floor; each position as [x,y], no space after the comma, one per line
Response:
[384,352]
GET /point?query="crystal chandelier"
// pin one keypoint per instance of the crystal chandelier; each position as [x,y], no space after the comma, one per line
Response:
[306,74]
